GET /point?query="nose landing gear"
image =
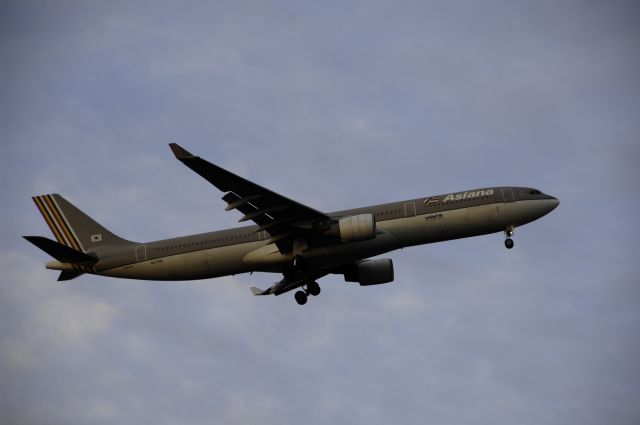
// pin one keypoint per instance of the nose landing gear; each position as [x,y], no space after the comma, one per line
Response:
[300,268]
[509,233]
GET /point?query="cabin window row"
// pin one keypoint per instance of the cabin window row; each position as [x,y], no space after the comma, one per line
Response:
[389,212]
[204,242]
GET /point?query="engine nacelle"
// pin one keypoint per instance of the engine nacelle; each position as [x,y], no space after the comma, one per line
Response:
[355,228]
[370,272]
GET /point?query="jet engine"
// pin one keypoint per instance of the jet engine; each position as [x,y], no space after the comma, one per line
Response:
[355,228]
[370,272]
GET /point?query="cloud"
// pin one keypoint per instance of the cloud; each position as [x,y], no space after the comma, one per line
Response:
[72,319]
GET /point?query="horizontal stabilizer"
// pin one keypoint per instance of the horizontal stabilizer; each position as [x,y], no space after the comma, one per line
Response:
[68,275]
[60,252]
[258,291]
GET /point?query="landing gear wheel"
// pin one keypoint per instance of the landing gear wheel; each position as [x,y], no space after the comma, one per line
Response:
[301,297]
[509,233]
[313,288]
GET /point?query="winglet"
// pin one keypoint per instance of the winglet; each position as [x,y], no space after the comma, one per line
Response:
[180,152]
[258,291]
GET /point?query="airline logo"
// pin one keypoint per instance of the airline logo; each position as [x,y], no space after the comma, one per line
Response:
[468,195]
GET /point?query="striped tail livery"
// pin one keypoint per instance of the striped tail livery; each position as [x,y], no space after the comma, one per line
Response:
[78,237]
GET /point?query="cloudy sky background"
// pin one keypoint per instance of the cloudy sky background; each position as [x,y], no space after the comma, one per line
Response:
[337,105]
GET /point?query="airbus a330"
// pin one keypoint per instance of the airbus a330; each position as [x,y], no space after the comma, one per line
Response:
[288,238]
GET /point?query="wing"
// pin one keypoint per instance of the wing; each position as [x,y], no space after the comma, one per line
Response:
[278,215]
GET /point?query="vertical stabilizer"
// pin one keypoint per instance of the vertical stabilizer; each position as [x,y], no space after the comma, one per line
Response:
[72,227]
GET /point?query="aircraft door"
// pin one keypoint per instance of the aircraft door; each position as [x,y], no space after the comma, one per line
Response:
[507,194]
[410,209]
[141,252]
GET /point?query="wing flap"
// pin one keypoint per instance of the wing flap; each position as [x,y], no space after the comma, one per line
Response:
[239,201]
[246,207]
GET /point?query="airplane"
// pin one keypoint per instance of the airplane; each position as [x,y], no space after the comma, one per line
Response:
[288,238]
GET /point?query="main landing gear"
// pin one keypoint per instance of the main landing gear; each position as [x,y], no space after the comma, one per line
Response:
[312,288]
[509,233]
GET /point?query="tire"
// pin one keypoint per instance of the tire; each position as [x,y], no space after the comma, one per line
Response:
[313,288]
[301,297]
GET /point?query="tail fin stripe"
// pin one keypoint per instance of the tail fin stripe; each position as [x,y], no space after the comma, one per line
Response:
[58,229]
[64,223]
[72,227]
[55,216]
[45,214]
[64,217]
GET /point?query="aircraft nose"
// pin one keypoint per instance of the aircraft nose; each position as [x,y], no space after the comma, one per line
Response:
[553,203]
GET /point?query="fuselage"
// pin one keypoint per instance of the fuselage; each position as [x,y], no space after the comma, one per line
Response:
[398,225]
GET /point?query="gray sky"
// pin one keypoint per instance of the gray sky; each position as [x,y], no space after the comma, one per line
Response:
[337,105]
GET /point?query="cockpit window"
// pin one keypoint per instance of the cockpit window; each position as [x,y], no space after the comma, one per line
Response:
[534,192]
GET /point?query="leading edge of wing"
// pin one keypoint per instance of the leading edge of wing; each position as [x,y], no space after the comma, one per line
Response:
[259,204]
